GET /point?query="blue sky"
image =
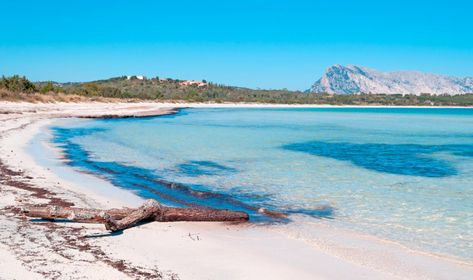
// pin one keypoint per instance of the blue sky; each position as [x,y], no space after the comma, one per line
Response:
[265,44]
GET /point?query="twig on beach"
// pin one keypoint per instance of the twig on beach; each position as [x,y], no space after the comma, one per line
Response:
[119,219]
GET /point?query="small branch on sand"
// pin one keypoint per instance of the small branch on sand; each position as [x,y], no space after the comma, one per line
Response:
[119,219]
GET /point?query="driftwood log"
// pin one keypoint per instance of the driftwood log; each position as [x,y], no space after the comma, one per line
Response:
[119,219]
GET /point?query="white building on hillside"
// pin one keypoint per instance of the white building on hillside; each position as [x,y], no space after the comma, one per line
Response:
[136,77]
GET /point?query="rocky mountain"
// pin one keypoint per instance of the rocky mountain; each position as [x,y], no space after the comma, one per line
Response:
[353,79]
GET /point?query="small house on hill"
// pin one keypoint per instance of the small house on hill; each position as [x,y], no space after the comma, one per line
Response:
[191,83]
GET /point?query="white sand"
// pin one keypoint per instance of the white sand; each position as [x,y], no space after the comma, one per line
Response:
[37,250]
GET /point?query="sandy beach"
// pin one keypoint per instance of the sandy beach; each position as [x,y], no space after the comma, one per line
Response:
[36,249]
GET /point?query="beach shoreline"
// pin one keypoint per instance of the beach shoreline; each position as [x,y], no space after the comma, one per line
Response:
[168,250]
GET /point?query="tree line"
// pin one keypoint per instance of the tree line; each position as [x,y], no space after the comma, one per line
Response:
[174,90]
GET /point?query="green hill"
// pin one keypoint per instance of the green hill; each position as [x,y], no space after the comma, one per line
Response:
[19,88]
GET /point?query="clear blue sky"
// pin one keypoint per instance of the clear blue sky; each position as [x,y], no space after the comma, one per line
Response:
[266,44]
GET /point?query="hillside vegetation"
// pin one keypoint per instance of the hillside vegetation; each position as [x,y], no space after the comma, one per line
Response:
[19,88]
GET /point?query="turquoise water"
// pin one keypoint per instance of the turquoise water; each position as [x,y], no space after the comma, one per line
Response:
[401,174]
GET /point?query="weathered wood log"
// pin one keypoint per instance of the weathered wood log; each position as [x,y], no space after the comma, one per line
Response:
[172,214]
[119,219]
[81,215]
[148,209]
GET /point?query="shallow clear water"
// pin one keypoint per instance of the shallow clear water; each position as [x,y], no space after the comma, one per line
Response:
[402,174]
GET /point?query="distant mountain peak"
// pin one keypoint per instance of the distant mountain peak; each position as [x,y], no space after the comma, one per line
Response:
[352,79]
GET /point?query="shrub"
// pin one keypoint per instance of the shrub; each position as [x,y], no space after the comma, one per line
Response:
[47,88]
[17,84]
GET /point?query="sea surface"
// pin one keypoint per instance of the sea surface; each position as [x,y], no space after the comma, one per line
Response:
[401,174]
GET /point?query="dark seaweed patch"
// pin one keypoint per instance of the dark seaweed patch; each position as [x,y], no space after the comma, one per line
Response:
[204,167]
[401,159]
